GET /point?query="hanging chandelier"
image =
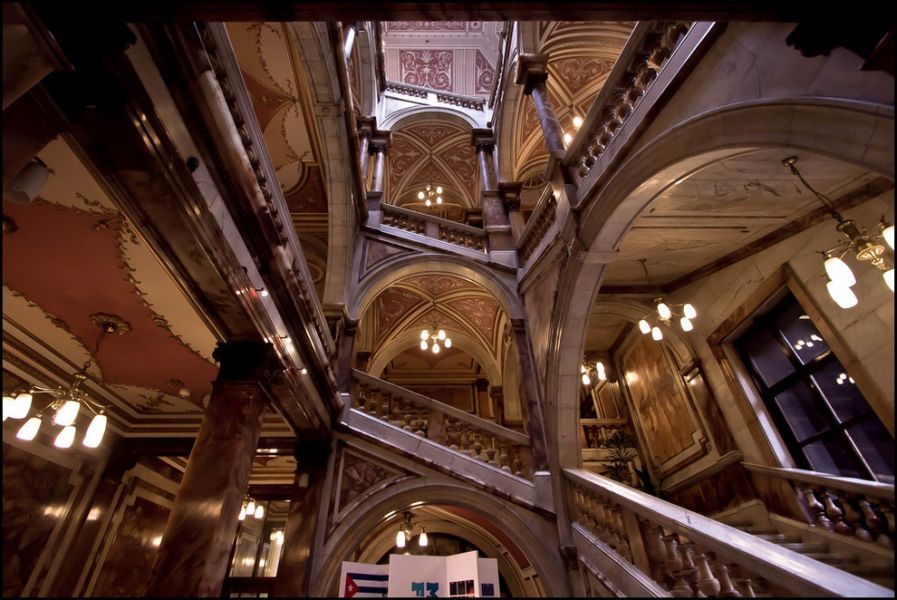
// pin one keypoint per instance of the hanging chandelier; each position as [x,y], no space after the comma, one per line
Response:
[866,247]
[430,338]
[405,533]
[597,368]
[251,508]
[666,313]
[67,401]
[431,196]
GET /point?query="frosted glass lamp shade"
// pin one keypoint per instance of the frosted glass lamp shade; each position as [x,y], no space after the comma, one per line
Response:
[664,311]
[250,508]
[400,539]
[8,402]
[20,406]
[95,431]
[567,139]
[841,294]
[889,278]
[685,322]
[66,414]
[420,195]
[424,345]
[448,341]
[424,334]
[27,184]
[438,189]
[428,203]
[585,379]
[65,437]
[29,429]
[422,539]
[441,334]
[689,311]
[656,333]
[242,513]
[839,272]
[436,348]
[888,234]
[577,121]
[644,327]
[259,511]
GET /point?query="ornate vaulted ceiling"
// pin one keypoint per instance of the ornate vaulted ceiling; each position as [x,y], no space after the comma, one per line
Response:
[468,313]
[270,64]
[73,254]
[433,151]
[581,55]
[443,56]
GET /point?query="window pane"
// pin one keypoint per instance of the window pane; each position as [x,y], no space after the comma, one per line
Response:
[876,445]
[767,358]
[832,454]
[803,412]
[840,391]
[800,334]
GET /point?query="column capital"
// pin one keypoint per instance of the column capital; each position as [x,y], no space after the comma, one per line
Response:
[509,191]
[245,361]
[532,69]
[380,141]
[366,126]
[482,138]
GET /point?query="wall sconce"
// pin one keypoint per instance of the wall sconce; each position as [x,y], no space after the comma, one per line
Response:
[866,247]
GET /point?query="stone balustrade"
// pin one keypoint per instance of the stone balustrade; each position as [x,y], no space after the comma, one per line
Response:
[406,89]
[438,228]
[639,65]
[852,507]
[542,218]
[478,438]
[685,554]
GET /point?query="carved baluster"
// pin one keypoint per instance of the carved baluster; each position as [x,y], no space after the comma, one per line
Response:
[625,549]
[854,518]
[674,566]
[689,574]
[654,548]
[834,513]
[745,586]
[504,458]
[879,518]
[707,583]
[816,508]
[727,589]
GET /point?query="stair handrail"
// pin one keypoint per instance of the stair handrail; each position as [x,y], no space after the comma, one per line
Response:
[786,570]
[873,489]
[512,436]
[442,222]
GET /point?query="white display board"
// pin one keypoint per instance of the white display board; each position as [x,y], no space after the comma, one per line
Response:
[456,576]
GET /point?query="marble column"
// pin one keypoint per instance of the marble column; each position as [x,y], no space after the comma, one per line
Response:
[495,219]
[294,570]
[530,392]
[192,558]
[509,192]
[378,146]
[532,73]
[496,392]
[364,155]
[345,356]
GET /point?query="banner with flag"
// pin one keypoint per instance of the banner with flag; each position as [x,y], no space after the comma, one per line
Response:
[362,580]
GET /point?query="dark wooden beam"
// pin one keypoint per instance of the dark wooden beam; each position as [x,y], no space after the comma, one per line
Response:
[336,10]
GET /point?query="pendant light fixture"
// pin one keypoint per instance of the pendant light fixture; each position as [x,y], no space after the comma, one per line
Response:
[431,195]
[66,402]
[666,313]
[597,368]
[406,532]
[431,338]
[864,246]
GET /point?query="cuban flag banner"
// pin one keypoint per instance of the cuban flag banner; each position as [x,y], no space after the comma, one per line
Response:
[362,580]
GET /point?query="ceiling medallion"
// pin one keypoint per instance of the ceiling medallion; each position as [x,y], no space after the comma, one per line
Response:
[111,323]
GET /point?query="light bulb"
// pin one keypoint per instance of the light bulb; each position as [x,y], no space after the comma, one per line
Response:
[95,431]
[424,334]
[585,379]
[250,508]
[400,539]
[567,139]
[839,272]
[689,311]
[438,199]
[423,345]
[429,187]
[8,403]
[448,342]
[65,437]
[29,429]
[420,195]
[66,414]
[435,348]
[259,511]
[889,278]
[888,234]
[20,406]
[685,323]
[438,189]
[441,334]
[422,540]
[643,326]
[602,376]
[428,203]
[841,294]
[656,333]
[664,311]
[242,513]
[263,293]
[577,121]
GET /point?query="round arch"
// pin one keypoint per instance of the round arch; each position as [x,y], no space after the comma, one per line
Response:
[503,289]
[524,532]
[408,116]
[460,340]
[631,311]
[851,131]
